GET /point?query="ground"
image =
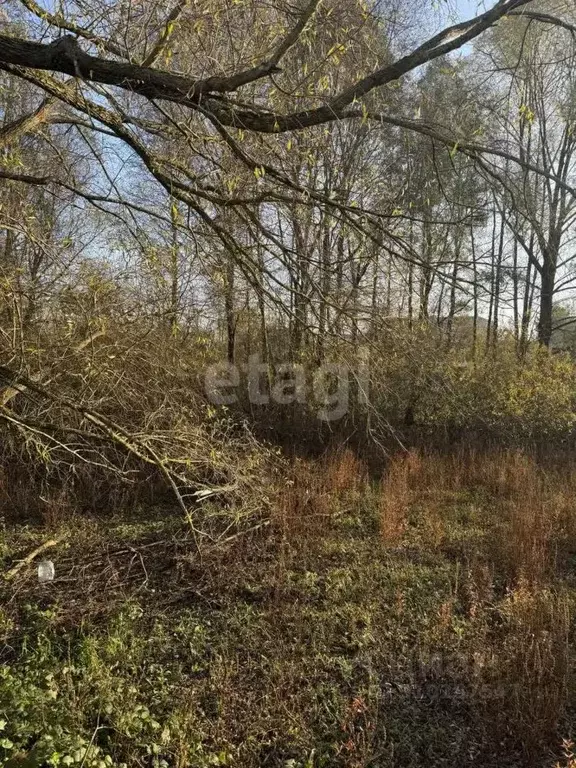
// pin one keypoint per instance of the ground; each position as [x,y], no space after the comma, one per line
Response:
[420,620]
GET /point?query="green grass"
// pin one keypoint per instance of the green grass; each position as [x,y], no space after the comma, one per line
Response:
[334,649]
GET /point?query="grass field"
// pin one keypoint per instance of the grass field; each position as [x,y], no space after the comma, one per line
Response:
[421,619]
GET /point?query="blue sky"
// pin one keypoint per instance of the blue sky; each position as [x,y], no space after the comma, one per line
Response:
[458,10]
[468,8]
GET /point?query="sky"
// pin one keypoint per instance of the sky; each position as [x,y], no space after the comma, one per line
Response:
[452,11]
[468,8]
[460,10]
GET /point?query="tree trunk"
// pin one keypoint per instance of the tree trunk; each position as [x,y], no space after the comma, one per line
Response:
[230,314]
[546,303]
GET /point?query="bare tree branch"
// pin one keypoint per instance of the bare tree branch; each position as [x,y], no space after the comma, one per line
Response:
[167,31]
[29,123]
[544,18]
[66,56]
[59,20]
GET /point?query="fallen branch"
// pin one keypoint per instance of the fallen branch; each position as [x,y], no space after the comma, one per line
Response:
[113,433]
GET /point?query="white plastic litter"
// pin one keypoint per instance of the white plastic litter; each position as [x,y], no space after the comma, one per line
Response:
[46,571]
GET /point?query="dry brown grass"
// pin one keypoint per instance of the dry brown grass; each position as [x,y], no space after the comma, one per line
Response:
[459,603]
[310,497]
[303,505]
[343,471]
[512,586]
[528,662]
[396,496]
[530,516]
[531,511]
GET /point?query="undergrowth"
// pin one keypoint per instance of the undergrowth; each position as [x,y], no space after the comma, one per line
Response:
[424,619]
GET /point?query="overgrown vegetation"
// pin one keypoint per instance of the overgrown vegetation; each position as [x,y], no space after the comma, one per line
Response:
[423,619]
[287,384]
